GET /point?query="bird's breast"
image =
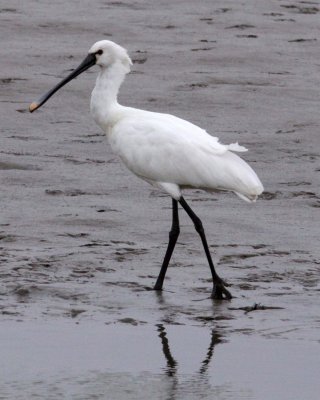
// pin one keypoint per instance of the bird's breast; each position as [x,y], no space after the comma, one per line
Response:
[104,114]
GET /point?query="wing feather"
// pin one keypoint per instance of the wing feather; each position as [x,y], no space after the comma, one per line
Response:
[164,148]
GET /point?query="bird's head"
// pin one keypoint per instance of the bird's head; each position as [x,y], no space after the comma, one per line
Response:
[103,53]
[108,53]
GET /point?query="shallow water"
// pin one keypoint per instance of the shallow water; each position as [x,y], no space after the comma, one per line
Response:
[89,360]
[81,239]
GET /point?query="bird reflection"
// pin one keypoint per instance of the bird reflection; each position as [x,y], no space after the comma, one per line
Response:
[199,379]
[215,339]
[172,364]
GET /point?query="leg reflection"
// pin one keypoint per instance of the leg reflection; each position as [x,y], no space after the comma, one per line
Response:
[172,364]
[215,339]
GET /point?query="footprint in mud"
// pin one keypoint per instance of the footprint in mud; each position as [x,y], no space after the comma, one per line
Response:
[158,193]
[127,253]
[235,245]
[84,141]
[273,14]
[296,183]
[306,277]
[259,246]
[247,36]
[73,192]
[139,57]
[301,9]
[131,321]
[209,318]
[305,195]
[22,291]
[22,110]
[256,307]
[248,286]
[7,237]
[74,161]
[203,49]
[7,81]
[62,122]
[192,86]
[10,313]
[12,165]
[74,235]
[135,286]
[25,292]
[82,272]
[241,26]
[198,85]
[123,242]
[96,243]
[106,209]
[207,41]
[232,258]
[222,10]
[28,138]
[265,277]
[284,20]
[206,19]
[73,313]
[8,10]
[316,204]
[235,258]
[270,195]
[301,40]
[280,131]
[131,5]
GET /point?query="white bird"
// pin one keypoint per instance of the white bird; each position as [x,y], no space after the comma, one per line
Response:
[166,151]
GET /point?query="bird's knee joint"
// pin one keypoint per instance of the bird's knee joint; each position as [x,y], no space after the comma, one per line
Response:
[199,227]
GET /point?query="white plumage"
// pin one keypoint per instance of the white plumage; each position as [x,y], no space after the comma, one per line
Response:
[162,149]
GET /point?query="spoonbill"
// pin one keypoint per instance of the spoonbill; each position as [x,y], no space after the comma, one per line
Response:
[166,151]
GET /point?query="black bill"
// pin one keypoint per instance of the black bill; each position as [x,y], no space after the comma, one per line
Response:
[88,62]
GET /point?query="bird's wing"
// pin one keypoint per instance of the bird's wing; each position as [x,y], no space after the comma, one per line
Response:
[184,131]
[192,133]
[163,148]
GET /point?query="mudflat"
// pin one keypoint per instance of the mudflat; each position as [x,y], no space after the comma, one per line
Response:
[82,239]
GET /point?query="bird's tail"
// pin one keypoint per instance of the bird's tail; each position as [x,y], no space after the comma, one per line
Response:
[248,198]
[245,182]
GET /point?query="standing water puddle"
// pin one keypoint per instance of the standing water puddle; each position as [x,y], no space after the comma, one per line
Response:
[95,361]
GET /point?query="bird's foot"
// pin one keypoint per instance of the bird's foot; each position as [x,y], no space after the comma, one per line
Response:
[157,287]
[219,291]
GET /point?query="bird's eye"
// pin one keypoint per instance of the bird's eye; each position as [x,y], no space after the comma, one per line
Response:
[99,52]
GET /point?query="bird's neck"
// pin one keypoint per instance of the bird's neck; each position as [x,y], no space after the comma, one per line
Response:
[104,101]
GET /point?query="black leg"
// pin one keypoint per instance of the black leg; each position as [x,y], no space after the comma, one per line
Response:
[219,290]
[173,236]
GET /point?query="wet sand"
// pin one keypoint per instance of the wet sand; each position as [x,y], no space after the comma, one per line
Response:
[82,240]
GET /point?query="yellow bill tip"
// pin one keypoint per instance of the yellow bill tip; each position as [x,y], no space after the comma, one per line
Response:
[33,106]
